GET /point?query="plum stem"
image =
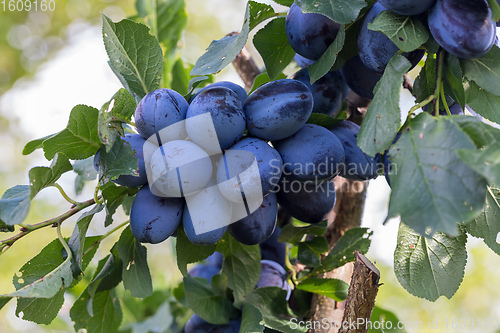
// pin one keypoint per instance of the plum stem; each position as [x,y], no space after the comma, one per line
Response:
[443,97]
[106,235]
[97,199]
[63,193]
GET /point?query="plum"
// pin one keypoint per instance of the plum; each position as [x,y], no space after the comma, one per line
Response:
[215,259]
[376,49]
[178,163]
[463,27]
[328,92]
[358,165]
[309,34]
[227,119]
[196,324]
[204,271]
[312,153]
[239,90]
[259,225]
[302,61]
[360,78]
[273,274]
[158,110]
[407,7]
[206,216]
[153,219]
[234,170]
[306,201]
[278,109]
[271,249]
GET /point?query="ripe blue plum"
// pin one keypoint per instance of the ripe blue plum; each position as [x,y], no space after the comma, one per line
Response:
[239,90]
[463,27]
[306,201]
[159,109]
[153,219]
[360,78]
[309,34]
[328,92]
[271,249]
[239,158]
[228,119]
[302,61]
[313,153]
[273,274]
[376,49]
[358,165]
[278,109]
[407,7]
[259,225]
[215,259]
[204,271]
[196,324]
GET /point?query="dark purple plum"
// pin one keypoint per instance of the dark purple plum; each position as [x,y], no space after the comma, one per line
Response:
[463,27]
[196,324]
[407,7]
[360,78]
[206,238]
[271,249]
[278,109]
[215,259]
[358,165]
[153,219]
[302,61]
[306,201]
[328,92]
[239,158]
[159,109]
[313,153]
[309,34]
[239,90]
[228,119]
[204,271]
[259,225]
[376,49]
[273,274]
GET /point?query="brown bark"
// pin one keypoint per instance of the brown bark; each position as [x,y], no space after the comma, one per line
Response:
[245,66]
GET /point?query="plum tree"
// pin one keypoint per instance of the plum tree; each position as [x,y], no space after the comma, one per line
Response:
[313,153]
[309,34]
[407,7]
[278,109]
[328,92]
[153,219]
[463,28]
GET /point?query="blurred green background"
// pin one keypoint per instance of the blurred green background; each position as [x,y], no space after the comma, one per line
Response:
[53,60]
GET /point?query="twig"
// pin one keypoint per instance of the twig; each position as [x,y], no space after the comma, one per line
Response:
[407,84]
[245,66]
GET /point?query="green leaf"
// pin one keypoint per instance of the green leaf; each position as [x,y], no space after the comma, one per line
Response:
[482,102]
[195,82]
[453,84]
[495,9]
[263,78]
[6,228]
[120,160]
[35,144]
[286,3]
[380,315]
[107,313]
[407,32]
[271,301]
[273,46]
[485,162]
[383,118]
[136,276]
[113,197]
[259,12]
[431,186]
[42,177]
[426,80]
[15,204]
[107,275]
[332,288]
[241,265]
[40,310]
[222,52]
[159,322]
[293,235]
[309,252]
[80,139]
[206,303]
[486,225]
[77,240]
[479,132]
[340,11]
[181,77]
[485,71]
[355,239]
[85,171]
[327,59]
[4,301]
[113,113]
[188,253]
[134,54]
[251,319]
[324,120]
[430,267]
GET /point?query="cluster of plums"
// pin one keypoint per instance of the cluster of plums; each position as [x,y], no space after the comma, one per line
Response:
[461,27]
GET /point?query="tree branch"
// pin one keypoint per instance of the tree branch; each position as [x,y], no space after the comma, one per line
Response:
[245,66]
